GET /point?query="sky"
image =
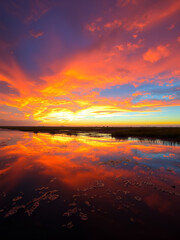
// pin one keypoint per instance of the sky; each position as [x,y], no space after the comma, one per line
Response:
[90,62]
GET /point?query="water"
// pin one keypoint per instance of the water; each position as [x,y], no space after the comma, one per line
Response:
[89,187]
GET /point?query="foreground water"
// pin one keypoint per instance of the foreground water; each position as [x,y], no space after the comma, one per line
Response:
[89,187]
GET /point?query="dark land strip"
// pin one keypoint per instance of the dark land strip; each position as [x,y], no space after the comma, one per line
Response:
[162,133]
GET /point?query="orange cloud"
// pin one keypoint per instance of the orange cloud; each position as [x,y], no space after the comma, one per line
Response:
[155,54]
[140,93]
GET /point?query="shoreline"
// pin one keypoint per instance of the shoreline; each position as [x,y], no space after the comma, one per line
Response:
[153,133]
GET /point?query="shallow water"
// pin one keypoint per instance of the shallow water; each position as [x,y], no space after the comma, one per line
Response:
[90,187]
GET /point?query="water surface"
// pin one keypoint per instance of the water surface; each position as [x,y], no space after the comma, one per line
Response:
[90,187]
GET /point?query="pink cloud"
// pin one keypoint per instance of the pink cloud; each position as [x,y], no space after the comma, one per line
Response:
[94,26]
[37,9]
[134,46]
[113,24]
[120,47]
[171,27]
[36,34]
[151,16]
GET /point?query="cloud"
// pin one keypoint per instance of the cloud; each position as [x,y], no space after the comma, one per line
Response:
[134,46]
[36,34]
[114,24]
[6,88]
[150,14]
[37,9]
[19,122]
[172,26]
[138,93]
[92,62]
[120,47]
[155,54]
[94,26]
[124,3]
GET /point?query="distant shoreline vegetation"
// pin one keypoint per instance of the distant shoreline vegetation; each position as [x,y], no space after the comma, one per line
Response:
[162,133]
